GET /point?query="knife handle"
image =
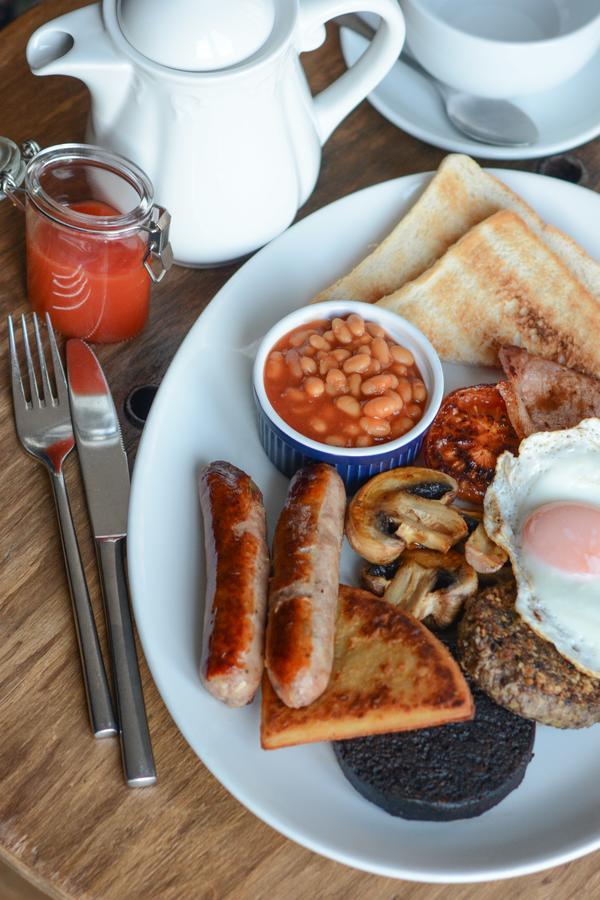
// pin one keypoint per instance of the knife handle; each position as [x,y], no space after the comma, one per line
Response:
[102,716]
[136,749]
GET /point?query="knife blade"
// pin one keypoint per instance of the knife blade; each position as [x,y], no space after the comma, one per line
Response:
[106,483]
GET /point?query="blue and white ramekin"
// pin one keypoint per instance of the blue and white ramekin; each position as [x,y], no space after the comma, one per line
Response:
[289,450]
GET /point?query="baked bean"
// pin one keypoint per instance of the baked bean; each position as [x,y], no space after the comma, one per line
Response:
[274,367]
[414,411]
[309,366]
[341,331]
[383,407]
[354,384]
[376,385]
[375,427]
[395,396]
[326,363]
[300,337]
[381,351]
[292,358]
[402,355]
[374,330]
[344,382]
[296,395]
[401,425]
[405,389]
[336,376]
[314,387]
[318,342]
[374,367]
[336,382]
[360,362]
[349,405]
[341,355]
[356,324]
[419,391]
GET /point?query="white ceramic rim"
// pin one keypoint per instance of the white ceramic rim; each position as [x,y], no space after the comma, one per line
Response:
[542,43]
[397,327]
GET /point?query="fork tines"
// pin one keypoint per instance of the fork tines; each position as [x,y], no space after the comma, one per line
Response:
[48,395]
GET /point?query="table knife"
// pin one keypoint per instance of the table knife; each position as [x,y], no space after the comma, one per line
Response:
[106,482]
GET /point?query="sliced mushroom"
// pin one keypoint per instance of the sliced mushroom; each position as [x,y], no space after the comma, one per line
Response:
[376,578]
[472,517]
[482,553]
[400,508]
[425,523]
[427,584]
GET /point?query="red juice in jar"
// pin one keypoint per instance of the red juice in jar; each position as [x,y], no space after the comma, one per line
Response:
[94,286]
[95,238]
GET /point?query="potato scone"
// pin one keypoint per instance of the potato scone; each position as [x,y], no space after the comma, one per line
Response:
[439,774]
[390,673]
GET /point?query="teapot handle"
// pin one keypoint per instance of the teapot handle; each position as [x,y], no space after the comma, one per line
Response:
[335,102]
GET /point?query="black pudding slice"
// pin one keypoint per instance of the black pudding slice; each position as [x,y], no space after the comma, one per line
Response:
[455,771]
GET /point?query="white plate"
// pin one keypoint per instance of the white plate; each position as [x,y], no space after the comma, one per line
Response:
[203,411]
[566,116]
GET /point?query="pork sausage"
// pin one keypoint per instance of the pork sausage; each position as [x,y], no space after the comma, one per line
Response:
[237,575]
[304,587]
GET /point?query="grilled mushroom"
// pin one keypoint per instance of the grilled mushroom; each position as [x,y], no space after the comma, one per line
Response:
[376,578]
[404,508]
[482,553]
[429,585]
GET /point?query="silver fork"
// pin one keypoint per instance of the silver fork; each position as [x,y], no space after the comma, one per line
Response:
[44,428]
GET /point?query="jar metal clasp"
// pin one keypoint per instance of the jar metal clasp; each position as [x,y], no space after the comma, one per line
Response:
[159,258]
[10,181]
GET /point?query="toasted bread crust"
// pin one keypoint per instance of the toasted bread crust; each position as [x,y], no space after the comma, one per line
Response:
[498,285]
[390,673]
[459,196]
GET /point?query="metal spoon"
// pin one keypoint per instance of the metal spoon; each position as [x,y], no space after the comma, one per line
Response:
[480,118]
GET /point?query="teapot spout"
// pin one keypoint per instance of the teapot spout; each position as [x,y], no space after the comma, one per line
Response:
[78,44]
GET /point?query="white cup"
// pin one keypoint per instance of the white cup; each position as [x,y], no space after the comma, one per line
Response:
[502,48]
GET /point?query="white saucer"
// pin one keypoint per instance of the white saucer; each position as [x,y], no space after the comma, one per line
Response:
[566,116]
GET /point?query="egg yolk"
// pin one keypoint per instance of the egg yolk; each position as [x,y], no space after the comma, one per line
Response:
[565,535]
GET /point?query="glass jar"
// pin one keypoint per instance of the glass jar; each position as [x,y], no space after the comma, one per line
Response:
[95,239]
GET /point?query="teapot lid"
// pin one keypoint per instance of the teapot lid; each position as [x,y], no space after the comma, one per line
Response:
[197,35]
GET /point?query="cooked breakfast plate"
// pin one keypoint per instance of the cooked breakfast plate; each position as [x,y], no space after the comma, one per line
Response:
[204,411]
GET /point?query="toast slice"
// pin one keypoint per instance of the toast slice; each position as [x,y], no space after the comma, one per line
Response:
[459,196]
[390,673]
[500,284]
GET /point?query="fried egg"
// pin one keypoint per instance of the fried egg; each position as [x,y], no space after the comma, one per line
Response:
[543,508]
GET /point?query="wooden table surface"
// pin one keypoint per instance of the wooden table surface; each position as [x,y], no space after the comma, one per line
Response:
[67,822]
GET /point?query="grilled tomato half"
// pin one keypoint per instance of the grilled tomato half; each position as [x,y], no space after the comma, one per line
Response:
[467,436]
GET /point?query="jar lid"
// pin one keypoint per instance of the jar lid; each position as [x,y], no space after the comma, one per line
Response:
[12,164]
[197,35]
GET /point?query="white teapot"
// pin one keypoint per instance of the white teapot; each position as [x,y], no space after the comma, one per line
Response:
[210,99]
